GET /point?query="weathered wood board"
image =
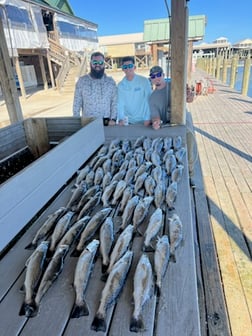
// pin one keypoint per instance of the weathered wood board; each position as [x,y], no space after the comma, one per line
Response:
[27,192]
[175,312]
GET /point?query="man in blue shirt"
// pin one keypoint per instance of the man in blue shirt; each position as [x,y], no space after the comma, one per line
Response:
[133,94]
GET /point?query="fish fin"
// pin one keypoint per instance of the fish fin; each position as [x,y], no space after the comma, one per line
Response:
[104,277]
[28,310]
[99,323]
[31,246]
[79,310]
[75,253]
[136,325]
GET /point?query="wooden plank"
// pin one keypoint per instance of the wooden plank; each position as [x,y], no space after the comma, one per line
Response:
[42,179]
[12,139]
[216,315]
[36,136]
[62,127]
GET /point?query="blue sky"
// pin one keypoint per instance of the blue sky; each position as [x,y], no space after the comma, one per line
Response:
[225,18]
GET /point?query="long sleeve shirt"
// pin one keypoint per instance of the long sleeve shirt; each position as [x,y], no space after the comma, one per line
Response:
[95,97]
[133,99]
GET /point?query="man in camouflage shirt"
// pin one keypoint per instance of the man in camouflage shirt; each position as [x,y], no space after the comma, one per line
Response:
[96,93]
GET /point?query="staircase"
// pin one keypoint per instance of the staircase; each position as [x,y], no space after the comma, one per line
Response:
[71,65]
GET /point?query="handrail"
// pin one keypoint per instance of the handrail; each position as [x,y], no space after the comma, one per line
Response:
[62,73]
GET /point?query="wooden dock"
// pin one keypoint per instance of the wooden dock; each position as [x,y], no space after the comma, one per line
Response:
[223,129]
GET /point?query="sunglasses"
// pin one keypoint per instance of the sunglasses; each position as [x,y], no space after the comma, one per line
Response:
[97,62]
[127,66]
[159,74]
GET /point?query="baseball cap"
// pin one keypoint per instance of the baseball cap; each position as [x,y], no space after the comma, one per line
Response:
[155,69]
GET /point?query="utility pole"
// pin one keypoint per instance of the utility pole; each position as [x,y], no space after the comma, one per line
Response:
[7,81]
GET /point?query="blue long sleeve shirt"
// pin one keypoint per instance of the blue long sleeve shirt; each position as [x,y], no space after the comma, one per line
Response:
[133,97]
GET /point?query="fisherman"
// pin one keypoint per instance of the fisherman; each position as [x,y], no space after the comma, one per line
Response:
[133,94]
[96,93]
[160,109]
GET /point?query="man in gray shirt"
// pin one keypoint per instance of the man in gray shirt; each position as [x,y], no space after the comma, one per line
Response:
[159,101]
[96,93]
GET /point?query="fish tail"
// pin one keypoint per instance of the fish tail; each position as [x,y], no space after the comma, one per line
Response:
[31,246]
[28,310]
[75,253]
[157,290]
[136,324]
[173,257]
[148,248]
[104,268]
[79,310]
[99,323]
[104,276]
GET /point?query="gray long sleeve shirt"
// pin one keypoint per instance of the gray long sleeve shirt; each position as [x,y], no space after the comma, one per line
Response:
[95,97]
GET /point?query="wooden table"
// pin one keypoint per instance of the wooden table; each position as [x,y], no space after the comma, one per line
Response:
[175,312]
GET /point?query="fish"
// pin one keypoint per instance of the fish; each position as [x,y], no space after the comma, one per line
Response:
[147,154]
[157,144]
[90,205]
[121,246]
[167,143]
[126,146]
[99,174]
[124,165]
[120,187]
[82,174]
[107,165]
[117,159]
[76,196]
[107,238]
[170,164]
[141,211]
[119,175]
[82,274]
[90,178]
[171,195]
[149,185]
[103,150]
[132,163]
[130,174]
[140,182]
[153,227]
[139,158]
[139,142]
[147,143]
[161,260]
[100,162]
[127,194]
[129,155]
[106,180]
[177,142]
[157,174]
[51,273]
[86,196]
[143,286]
[90,229]
[111,290]
[108,192]
[144,167]
[177,173]
[128,211]
[175,235]
[180,153]
[159,194]
[34,269]
[155,158]
[74,231]
[46,228]
[60,229]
